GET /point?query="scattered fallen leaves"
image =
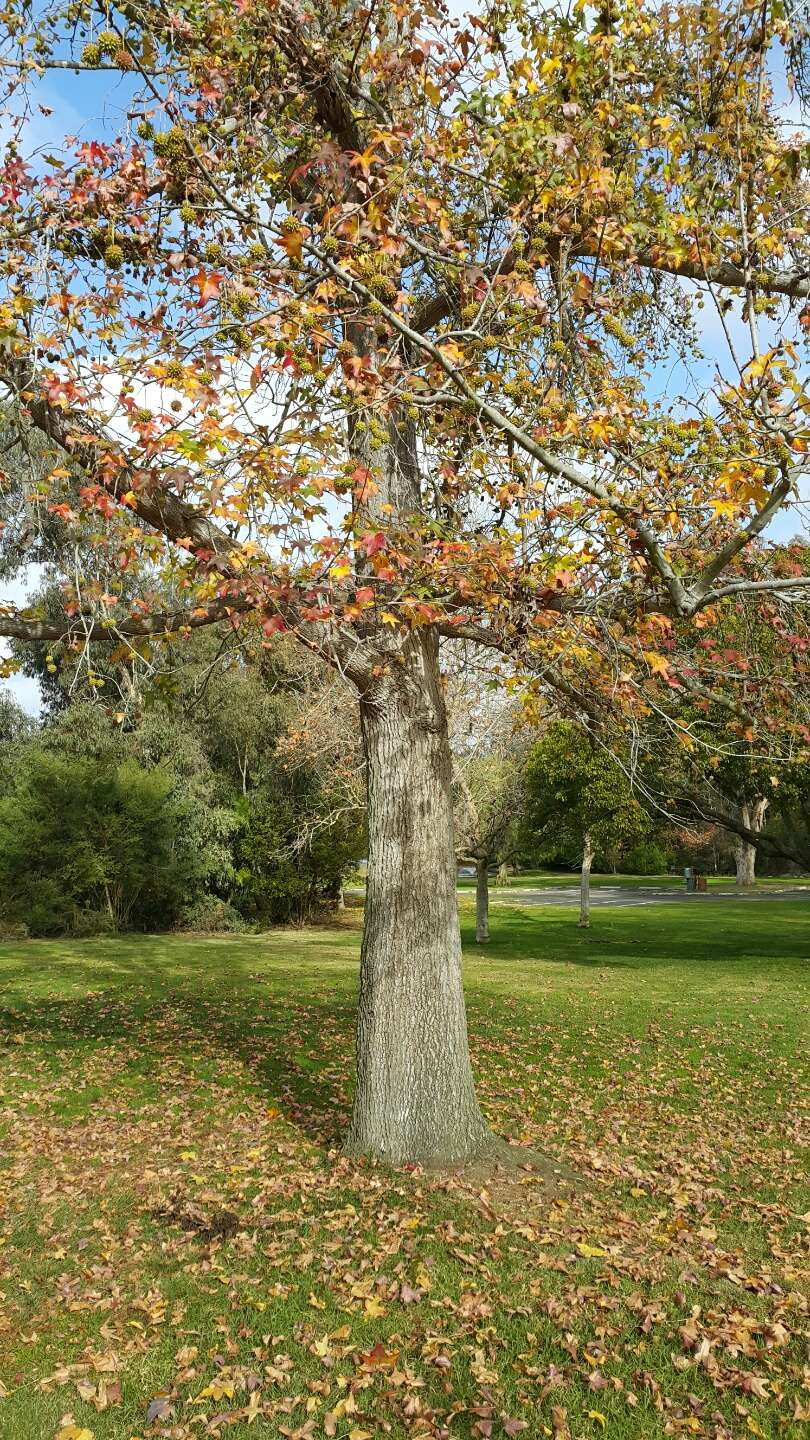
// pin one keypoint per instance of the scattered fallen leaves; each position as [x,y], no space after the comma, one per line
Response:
[187,1229]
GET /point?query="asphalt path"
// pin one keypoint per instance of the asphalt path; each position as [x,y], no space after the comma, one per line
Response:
[624,895]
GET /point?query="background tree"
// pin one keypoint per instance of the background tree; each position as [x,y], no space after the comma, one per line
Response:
[709,757]
[209,740]
[580,801]
[489,739]
[351,330]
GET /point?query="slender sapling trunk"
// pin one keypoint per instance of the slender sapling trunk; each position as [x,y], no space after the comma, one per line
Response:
[481,900]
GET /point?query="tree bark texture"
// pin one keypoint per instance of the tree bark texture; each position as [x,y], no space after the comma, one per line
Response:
[745,854]
[415,1098]
[481,900]
[585,882]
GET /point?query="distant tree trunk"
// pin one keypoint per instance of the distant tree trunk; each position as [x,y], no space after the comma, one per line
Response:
[745,854]
[415,1098]
[481,900]
[585,882]
[341,899]
[504,874]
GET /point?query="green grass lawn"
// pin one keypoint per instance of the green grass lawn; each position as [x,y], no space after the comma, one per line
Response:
[185,1252]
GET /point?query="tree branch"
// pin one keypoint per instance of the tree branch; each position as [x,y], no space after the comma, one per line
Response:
[17,626]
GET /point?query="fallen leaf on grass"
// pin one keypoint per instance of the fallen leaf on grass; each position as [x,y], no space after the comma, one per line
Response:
[158,1409]
[378,1358]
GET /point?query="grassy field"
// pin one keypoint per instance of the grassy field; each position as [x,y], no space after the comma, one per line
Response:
[185,1252]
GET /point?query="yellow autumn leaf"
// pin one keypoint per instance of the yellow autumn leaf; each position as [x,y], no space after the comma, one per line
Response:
[315,1302]
[759,366]
[589,1250]
[374,1309]
[600,430]
[597,1416]
[754,1427]
[656,662]
[217,1390]
[358,1434]
[74,1432]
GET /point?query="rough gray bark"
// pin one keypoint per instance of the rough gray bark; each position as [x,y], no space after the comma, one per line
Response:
[585,882]
[481,900]
[415,1098]
[745,854]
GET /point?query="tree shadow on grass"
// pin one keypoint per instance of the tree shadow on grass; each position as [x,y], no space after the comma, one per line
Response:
[274,1015]
[293,1050]
[651,939]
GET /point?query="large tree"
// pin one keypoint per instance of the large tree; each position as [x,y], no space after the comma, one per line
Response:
[354,330]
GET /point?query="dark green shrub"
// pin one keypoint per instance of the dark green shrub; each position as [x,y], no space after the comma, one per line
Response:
[83,839]
[285,874]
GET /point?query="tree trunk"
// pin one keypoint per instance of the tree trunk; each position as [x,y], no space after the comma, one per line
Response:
[745,854]
[481,900]
[415,1098]
[585,882]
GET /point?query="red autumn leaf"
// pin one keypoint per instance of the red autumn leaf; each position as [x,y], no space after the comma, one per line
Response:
[209,284]
[273,625]
[373,543]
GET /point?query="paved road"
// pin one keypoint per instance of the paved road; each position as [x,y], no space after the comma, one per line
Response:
[568,895]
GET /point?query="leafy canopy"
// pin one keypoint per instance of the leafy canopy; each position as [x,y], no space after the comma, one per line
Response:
[360,323]
[574,788]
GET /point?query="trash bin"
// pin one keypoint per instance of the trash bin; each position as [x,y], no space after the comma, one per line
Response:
[689,877]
